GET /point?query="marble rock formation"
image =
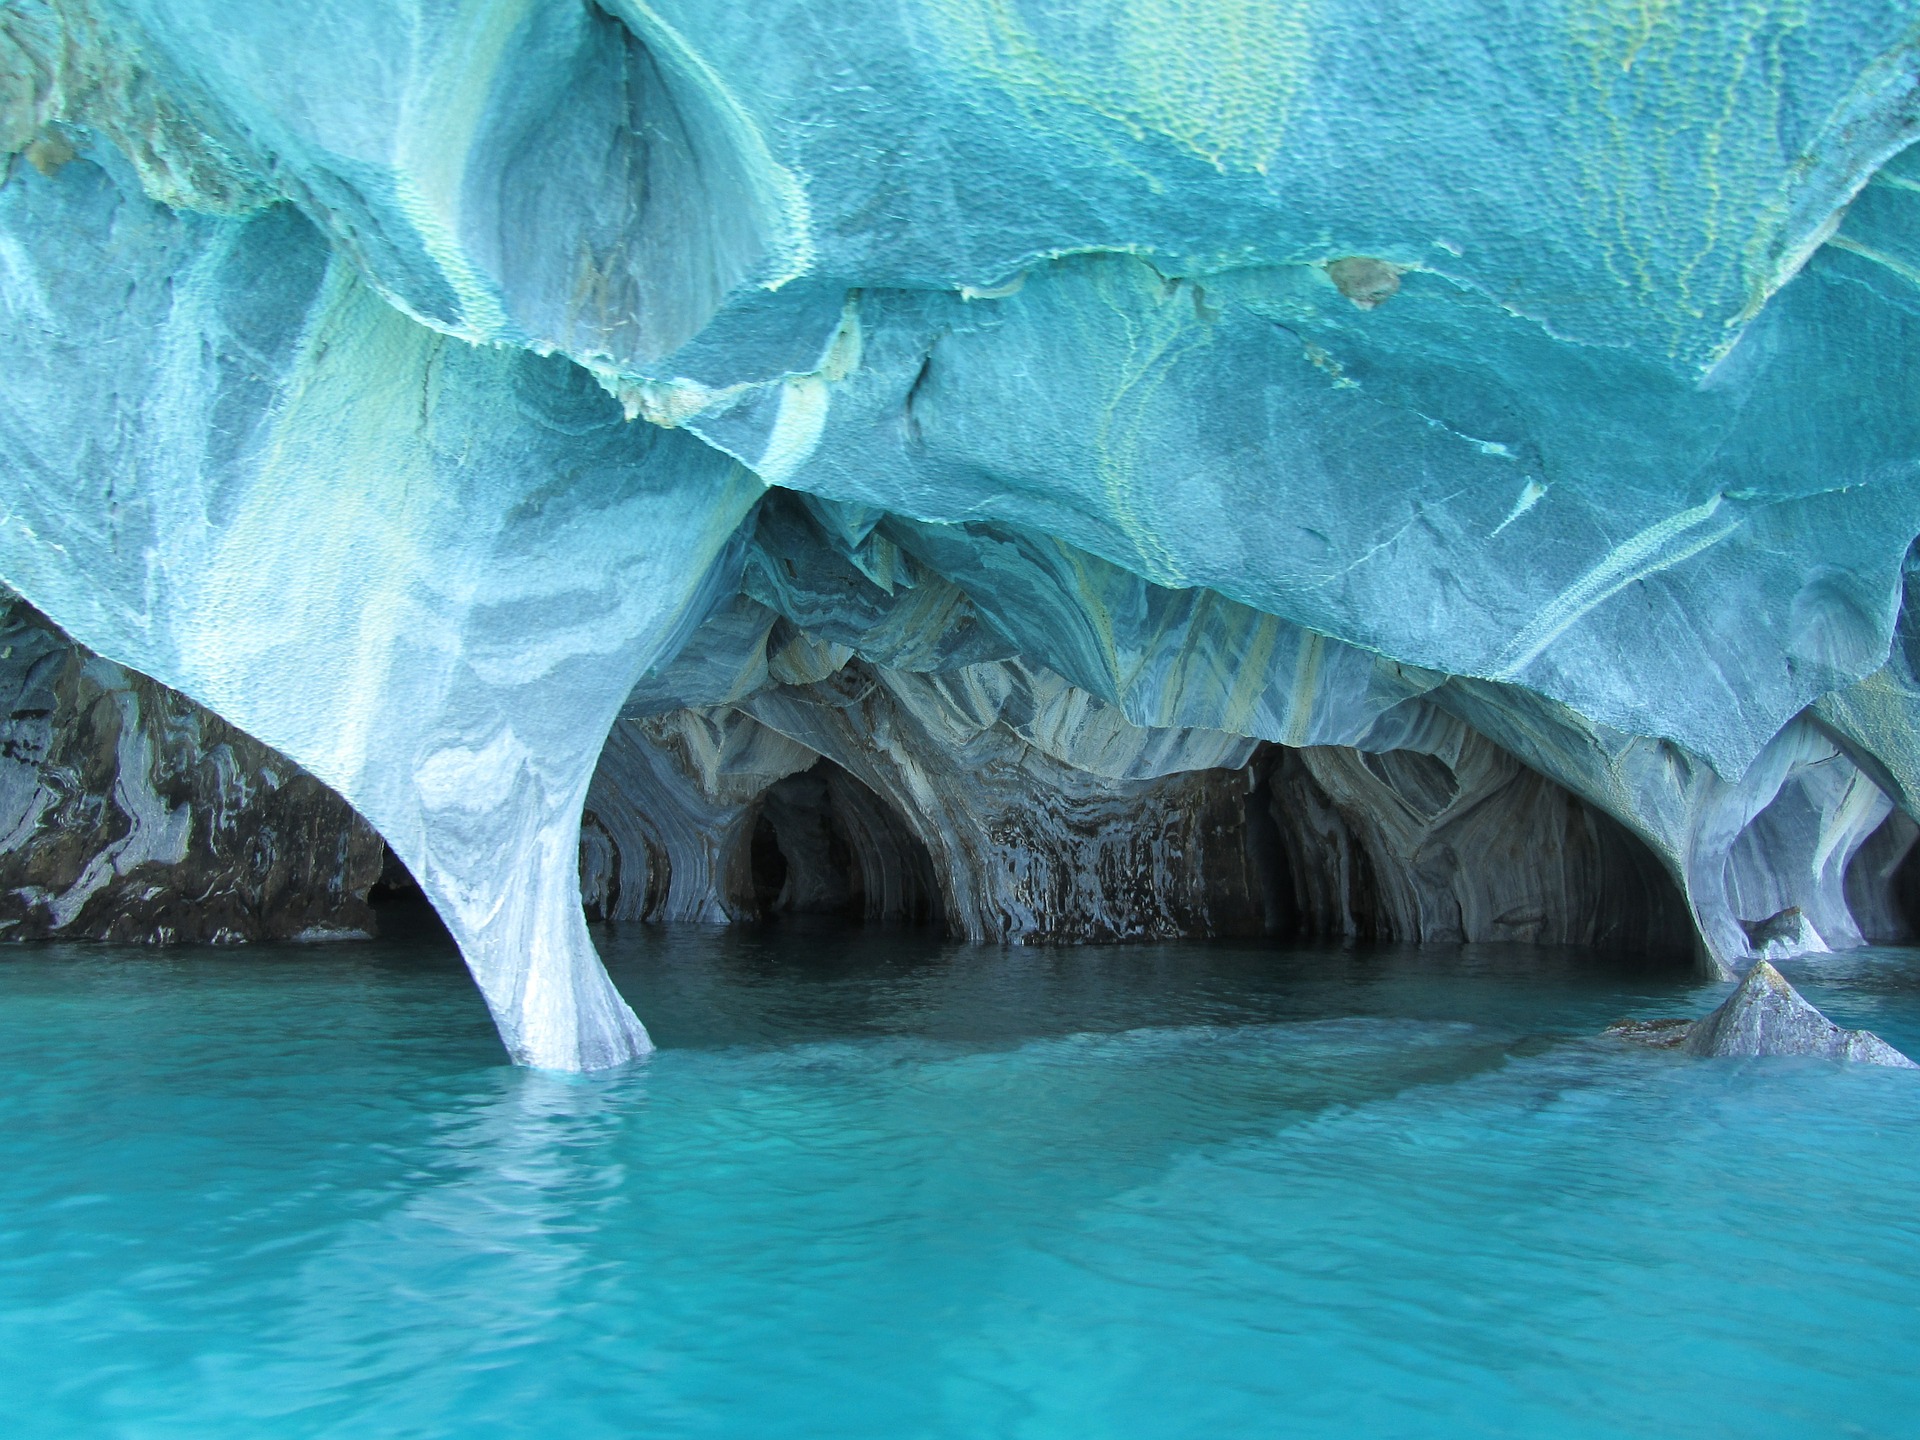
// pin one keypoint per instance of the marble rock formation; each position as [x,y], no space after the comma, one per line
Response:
[1764,1016]
[129,813]
[998,800]
[1027,410]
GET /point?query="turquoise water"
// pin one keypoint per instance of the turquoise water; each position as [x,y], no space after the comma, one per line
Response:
[870,1187]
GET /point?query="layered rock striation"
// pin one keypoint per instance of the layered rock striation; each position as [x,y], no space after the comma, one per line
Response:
[128,813]
[1090,472]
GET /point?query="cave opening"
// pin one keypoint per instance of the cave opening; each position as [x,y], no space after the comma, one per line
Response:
[1408,847]
[1883,883]
[400,907]
[824,844]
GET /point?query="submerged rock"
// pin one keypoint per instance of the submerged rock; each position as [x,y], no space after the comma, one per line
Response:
[1666,1033]
[1765,1016]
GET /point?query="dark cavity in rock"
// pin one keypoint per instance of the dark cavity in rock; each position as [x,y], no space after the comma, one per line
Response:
[825,844]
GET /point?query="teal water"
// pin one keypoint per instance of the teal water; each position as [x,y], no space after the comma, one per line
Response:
[870,1187]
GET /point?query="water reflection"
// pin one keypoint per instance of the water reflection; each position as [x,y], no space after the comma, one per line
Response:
[707,987]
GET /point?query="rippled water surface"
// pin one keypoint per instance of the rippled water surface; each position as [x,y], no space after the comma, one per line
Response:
[870,1187]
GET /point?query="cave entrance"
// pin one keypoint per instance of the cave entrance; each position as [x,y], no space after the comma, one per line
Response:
[824,844]
[401,907]
[1883,883]
[1469,846]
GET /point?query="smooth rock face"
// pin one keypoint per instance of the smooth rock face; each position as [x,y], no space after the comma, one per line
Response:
[1136,382]
[414,567]
[1765,1016]
[128,813]
[951,801]
[1033,812]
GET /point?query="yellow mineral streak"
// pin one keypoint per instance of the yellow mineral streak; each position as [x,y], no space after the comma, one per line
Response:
[1673,118]
[1217,77]
[1158,335]
[347,470]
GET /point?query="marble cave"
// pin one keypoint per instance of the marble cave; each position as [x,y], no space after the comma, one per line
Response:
[1430,471]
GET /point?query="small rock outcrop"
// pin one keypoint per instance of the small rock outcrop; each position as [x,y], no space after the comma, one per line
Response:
[1765,1016]
[1780,933]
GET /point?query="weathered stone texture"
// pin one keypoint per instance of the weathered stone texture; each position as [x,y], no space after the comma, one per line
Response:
[1764,1016]
[128,813]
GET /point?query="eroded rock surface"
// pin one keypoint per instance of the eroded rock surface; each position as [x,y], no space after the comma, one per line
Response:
[128,813]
